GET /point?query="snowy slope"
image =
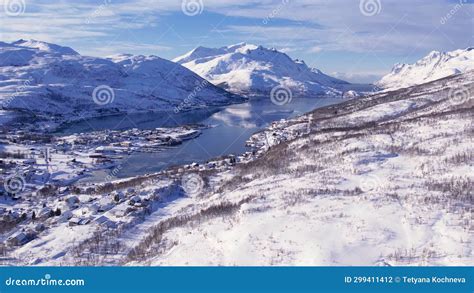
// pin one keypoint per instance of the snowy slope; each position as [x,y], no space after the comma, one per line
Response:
[344,185]
[42,78]
[250,69]
[380,180]
[434,66]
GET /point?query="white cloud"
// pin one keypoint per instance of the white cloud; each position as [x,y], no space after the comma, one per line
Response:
[287,49]
[405,28]
[66,21]
[402,25]
[114,47]
[315,49]
[359,77]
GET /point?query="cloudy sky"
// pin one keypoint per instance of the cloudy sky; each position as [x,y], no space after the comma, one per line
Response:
[358,40]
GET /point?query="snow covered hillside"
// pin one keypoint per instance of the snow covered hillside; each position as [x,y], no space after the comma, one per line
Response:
[250,69]
[46,79]
[380,180]
[434,66]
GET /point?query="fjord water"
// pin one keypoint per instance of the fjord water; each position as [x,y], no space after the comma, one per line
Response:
[231,126]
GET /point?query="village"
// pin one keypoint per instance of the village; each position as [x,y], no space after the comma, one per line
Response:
[44,199]
[50,217]
[41,174]
[41,158]
[32,216]
[38,171]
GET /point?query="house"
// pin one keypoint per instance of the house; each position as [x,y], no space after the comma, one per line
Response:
[121,211]
[79,221]
[135,200]
[63,146]
[105,204]
[11,216]
[119,196]
[84,221]
[101,220]
[21,238]
[74,221]
[64,190]
[65,216]
[17,239]
[97,156]
[45,213]
[106,222]
[39,227]
[72,201]
[94,208]
[105,150]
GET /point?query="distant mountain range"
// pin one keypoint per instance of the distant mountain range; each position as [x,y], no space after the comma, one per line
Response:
[434,66]
[254,70]
[48,79]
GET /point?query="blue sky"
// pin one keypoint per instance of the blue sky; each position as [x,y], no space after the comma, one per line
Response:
[358,40]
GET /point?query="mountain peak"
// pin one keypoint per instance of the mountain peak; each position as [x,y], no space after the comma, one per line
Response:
[64,86]
[433,66]
[44,46]
[253,69]
[243,48]
[238,45]
[434,53]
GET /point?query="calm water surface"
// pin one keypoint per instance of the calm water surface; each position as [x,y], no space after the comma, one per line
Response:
[232,126]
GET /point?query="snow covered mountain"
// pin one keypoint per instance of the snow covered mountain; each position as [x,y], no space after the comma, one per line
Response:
[255,70]
[434,66]
[48,79]
[385,179]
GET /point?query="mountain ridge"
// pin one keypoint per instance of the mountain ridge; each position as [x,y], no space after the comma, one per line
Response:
[250,69]
[50,79]
[435,65]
